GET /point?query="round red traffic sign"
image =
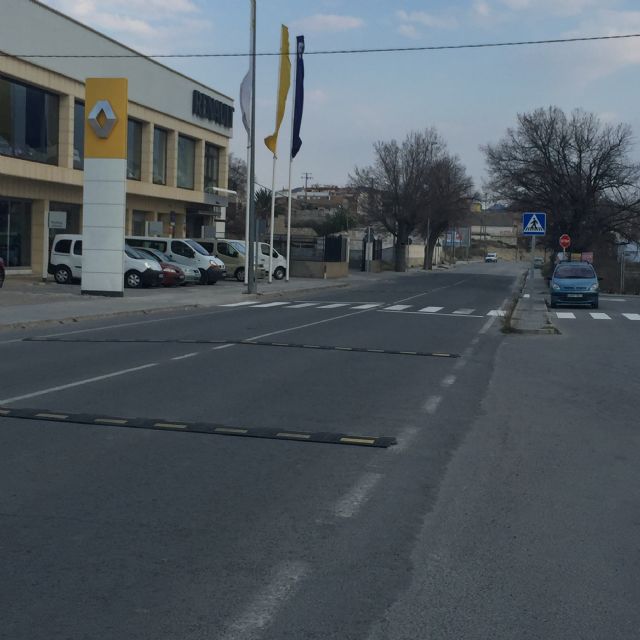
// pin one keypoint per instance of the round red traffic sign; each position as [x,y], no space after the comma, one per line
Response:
[565,241]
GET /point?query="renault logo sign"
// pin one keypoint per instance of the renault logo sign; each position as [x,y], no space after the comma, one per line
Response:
[109,119]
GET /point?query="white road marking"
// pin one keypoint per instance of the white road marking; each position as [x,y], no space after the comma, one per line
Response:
[526,295]
[353,500]
[432,404]
[240,304]
[463,312]
[632,316]
[431,309]
[367,306]
[398,307]
[404,439]
[426,293]
[499,313]
[566,315]
[11,341]
[222,346]
[335,305]
[262,610]
[615,299]
[448,381]
[302,305]
[269,305]
[184,357]
[77,384]
[600,316]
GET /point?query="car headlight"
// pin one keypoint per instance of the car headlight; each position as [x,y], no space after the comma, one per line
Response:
[594,287]
[555,287]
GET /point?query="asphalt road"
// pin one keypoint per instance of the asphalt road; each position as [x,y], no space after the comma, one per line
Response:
[498,513]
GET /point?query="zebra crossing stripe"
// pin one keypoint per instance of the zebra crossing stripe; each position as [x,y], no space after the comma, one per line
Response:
[600,316]
[566,315]
[334,306]
[302,305]
[240,304]
[632,316]
[367,306]
[431,309]
[398,307]
[464,312]
[270,304]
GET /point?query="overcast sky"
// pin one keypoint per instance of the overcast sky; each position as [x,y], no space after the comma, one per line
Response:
[470,96]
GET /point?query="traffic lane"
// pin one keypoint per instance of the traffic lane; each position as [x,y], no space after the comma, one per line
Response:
[27,367]
[542,542]
[152,534]
[198,518]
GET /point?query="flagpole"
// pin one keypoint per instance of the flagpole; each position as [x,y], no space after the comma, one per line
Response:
[252,285]
[293,107]
[246,221]
[273,211]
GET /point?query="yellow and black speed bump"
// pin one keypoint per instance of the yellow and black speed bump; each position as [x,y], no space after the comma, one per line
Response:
[197,427]
[258,343]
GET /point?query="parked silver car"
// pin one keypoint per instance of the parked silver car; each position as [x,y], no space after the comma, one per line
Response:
[192,274]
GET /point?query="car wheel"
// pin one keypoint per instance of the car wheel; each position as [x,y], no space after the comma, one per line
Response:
[279,273]
[62,275]
[203,276]
[595,305]
[552,304]
[239,274]
[133,279]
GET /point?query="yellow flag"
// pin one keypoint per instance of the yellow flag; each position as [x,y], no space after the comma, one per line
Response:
[284,82]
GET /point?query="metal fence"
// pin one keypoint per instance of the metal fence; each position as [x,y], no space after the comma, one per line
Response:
[313,248]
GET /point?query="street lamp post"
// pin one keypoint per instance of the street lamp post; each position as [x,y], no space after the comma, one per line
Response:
[252,283]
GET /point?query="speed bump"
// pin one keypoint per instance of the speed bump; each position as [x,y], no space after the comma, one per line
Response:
[158,424]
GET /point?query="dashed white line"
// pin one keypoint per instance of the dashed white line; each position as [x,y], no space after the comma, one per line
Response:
[448,381]
[77,383]
[353,500]
[223,346]
[185,356]
[404,439]
[432,404]
[262,610]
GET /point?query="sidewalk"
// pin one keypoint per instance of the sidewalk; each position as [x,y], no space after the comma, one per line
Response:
[531,315]
[27,300]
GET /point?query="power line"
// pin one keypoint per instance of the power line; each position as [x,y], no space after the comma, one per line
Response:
[442,47]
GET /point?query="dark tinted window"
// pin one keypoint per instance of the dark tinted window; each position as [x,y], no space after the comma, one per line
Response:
[77,248]
[63,246]
[181,249]
[574,271]
[134,150]
[78,135]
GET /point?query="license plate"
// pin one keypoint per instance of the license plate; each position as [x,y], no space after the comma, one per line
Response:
[574,295]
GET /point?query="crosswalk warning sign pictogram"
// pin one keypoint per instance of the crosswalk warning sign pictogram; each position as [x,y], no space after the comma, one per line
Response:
[534,224]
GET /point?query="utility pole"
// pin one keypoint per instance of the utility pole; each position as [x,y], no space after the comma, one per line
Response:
[252,283]
[306,177]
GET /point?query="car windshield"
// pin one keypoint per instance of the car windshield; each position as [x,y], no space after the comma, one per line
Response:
[574,271]
[196,247]
[134,253]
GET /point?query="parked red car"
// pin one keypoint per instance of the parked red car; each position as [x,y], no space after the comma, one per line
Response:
[1,272]
[173,274]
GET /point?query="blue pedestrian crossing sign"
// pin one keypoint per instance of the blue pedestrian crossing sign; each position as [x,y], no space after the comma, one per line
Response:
[534,224]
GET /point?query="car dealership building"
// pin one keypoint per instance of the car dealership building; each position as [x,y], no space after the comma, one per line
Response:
[178,135]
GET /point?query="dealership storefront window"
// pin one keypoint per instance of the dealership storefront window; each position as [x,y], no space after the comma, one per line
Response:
[28,122]
[78,135]
[134,150]
[15,232]
[186,162]
[159,156]
[211,165]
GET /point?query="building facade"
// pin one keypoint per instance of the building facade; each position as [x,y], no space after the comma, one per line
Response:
[178,135]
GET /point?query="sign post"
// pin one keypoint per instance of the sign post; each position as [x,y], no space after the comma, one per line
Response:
[565,243]
[534,224]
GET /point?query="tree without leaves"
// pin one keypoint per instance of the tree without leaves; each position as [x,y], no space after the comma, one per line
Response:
[407,183]
[575,168]
[236,209]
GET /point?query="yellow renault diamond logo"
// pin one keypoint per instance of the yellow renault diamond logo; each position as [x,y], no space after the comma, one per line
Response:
[102,119]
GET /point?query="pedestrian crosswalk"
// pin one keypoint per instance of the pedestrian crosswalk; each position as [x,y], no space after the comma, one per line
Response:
[593,315]
[414,309]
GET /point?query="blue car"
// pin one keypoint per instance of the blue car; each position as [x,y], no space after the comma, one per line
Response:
[574,283]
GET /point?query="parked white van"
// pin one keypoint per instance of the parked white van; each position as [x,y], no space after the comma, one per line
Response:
[184,251]
[278,262]
[65,263]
